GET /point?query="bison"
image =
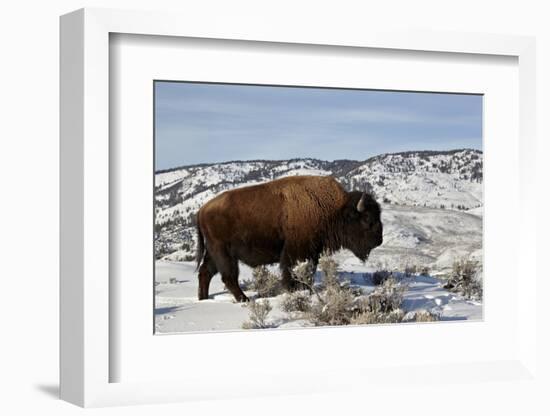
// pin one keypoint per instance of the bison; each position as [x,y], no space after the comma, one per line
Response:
[283,221]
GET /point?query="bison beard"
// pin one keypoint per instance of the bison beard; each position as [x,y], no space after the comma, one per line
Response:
[283,221]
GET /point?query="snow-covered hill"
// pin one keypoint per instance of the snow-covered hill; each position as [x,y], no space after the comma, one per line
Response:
[447,184]
[431,210]
[449,180]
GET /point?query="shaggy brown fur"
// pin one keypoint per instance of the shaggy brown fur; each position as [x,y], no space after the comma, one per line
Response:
[283,221]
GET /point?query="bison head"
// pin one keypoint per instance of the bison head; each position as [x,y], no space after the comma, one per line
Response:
[362,224]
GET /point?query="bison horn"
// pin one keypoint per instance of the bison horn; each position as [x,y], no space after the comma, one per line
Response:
[361,203]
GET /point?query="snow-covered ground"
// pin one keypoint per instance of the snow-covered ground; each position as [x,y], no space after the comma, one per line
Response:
[178,310]
[436,238]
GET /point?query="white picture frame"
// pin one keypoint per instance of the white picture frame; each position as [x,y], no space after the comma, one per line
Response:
[86,166]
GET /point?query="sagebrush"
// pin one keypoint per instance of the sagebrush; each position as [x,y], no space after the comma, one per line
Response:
[383,306]
[368,318]
[329,267]
[304,274]
[331,301]
[296,302]
[410,270]
[340,304]
[334,306]
[265,283]
[465,279]
[385,298]
[258,311]
[422,315]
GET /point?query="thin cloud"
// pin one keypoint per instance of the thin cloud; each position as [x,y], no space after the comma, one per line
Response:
[201,123]
[390,115]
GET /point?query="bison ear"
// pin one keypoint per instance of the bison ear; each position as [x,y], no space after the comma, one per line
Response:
[361,203]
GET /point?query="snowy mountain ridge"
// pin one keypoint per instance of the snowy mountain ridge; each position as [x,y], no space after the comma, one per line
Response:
[446,180]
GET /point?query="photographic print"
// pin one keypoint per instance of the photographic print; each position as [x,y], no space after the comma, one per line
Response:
[295,207]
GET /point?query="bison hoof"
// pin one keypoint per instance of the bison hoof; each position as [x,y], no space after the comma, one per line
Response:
[242,299]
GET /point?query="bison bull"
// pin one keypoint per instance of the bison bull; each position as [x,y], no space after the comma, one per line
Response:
[283,221]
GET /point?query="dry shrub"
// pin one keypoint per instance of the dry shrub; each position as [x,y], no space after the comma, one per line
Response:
[421,315]
[246,284]
[393,317]
[335,306]
[304,274]
[265,283]
[257,314]
[382,306]
[337,303]
[385,298]
[410,270]
[329,267]
[356,291]
[424,271]
[367,318]
[296,302]
[465,279]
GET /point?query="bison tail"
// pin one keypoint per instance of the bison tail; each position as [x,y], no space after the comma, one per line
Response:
[200,246]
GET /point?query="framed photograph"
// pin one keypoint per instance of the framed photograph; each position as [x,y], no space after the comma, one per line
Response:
[334,207]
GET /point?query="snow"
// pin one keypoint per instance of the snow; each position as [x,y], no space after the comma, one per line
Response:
[306,171]
[476,211]
[177,309]
[427,237]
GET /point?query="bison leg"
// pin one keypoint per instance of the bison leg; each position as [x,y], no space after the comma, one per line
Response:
[229,269]
[314,262]
[289,283]
[232,284]
[206,271]
[286,265]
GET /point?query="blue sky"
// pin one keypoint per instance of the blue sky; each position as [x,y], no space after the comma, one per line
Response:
[205,123]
